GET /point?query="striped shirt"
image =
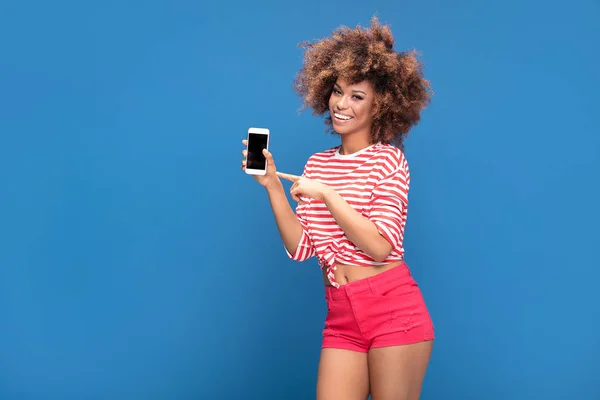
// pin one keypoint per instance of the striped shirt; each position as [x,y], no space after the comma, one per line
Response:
[375,182]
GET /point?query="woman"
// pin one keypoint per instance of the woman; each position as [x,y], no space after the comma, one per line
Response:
[351,214]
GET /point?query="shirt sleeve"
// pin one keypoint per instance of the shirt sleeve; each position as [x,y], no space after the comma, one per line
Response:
[305,249]
[389,203]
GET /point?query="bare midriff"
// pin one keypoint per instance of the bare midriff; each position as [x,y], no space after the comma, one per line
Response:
[345,273]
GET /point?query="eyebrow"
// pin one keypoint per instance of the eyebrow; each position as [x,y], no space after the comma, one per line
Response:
[354,91]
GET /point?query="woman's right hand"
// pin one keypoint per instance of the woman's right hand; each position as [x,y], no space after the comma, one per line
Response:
[270,178]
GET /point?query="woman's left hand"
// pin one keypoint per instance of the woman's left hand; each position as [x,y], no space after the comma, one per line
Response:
[304,187]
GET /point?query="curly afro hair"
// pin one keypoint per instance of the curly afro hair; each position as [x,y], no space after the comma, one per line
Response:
[361,54]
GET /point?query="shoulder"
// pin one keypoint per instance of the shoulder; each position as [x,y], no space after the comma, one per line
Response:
[391,159]
[318,159]
[323,155]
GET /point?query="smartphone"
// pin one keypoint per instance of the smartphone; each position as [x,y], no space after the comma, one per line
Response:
[258,140]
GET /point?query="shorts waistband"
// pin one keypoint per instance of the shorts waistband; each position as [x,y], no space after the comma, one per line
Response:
[372,285]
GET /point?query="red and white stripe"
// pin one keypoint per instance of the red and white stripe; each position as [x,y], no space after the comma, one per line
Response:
[375,182]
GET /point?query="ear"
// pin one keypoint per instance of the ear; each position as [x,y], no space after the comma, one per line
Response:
[376,105]
[375,110]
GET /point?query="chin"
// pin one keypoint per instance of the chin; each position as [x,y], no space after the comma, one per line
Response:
[342,130]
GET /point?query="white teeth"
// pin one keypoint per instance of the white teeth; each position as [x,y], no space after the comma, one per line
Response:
[341,116]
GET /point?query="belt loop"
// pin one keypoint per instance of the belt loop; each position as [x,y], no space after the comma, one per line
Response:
[347,289]
[372,286]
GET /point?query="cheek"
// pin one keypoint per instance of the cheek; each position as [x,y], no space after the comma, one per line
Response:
[370,110]
[365,111]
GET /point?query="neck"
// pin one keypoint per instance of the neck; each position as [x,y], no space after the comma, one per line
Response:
[353,143]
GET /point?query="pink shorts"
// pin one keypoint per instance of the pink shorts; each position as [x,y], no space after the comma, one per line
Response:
[384,310]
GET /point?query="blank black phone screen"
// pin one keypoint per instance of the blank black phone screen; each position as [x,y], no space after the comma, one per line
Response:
[256,143]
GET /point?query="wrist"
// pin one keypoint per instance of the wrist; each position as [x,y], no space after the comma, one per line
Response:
[327,194]
[274,185]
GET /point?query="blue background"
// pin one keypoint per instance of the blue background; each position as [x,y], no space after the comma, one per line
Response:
[138,262]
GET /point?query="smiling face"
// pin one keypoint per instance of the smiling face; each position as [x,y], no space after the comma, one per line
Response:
[352,108]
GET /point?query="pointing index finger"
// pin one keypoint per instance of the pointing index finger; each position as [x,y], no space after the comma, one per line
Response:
[289,177]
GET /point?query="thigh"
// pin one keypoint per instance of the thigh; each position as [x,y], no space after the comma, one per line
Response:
[343,375]
[397,372]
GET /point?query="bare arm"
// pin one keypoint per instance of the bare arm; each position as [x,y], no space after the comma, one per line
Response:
[288,225]
[358,229]
[295,240]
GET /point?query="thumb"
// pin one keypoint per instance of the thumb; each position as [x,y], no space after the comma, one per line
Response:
[269,157]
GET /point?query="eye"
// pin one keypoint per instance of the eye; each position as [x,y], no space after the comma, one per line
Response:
[358,97]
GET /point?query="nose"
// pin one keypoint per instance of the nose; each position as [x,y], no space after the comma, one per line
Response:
[341,104]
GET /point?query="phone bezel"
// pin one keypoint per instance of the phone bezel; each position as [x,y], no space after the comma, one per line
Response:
[259,131]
